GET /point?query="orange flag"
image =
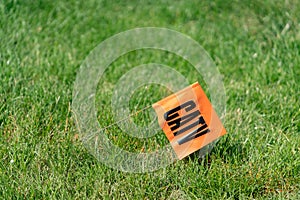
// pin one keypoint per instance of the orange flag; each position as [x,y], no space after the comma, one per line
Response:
[188,120]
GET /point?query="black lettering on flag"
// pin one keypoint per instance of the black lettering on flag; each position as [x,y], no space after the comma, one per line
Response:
[176,123]
[199,121]
[194,134]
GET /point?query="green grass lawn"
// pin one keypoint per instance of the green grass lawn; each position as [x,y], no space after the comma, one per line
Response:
[256,46]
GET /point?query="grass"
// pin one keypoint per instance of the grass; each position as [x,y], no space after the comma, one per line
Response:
[256,46]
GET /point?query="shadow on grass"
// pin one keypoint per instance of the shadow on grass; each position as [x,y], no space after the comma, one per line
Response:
[227,151]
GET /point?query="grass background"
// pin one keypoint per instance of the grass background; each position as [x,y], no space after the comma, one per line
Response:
[255,44]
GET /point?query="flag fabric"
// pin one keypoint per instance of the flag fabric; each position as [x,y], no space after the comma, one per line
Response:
[188,120]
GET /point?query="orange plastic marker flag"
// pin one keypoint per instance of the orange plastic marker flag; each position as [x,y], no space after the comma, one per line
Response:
[188,120]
